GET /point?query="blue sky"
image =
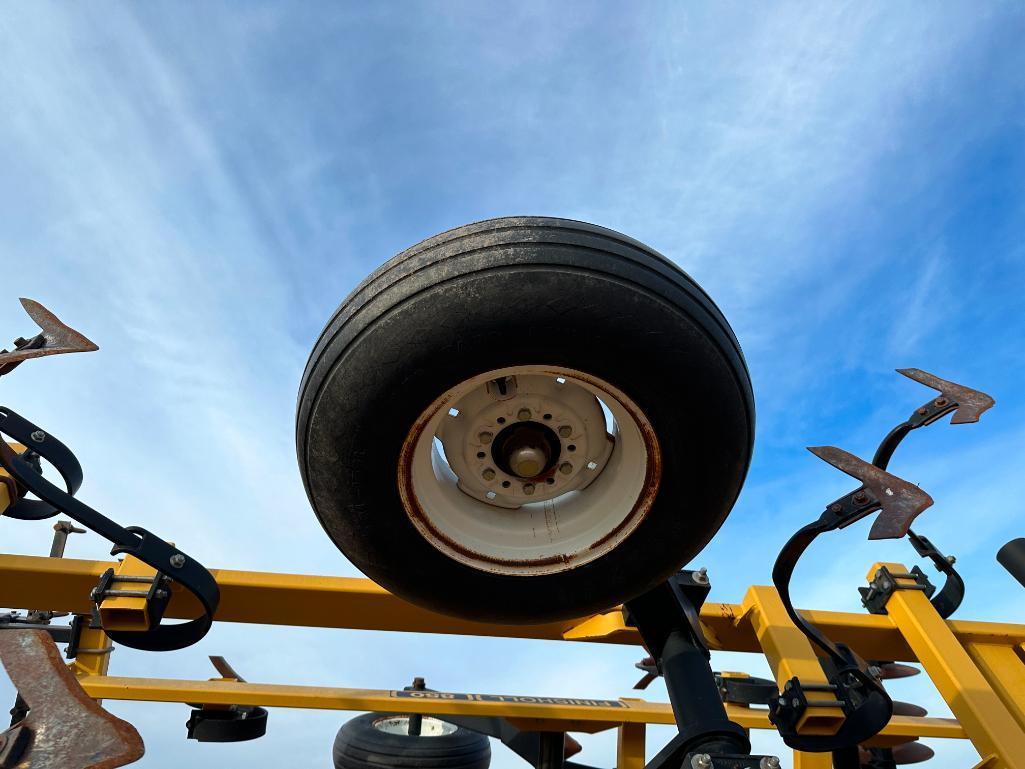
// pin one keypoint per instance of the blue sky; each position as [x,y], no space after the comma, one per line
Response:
[196,186]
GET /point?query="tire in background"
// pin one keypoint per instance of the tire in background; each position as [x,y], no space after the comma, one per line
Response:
[362,743]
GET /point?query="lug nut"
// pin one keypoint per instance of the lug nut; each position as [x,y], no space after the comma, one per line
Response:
[565,431]
[523,415]
[486,437]
[489,474]
[528,488]
[565,468]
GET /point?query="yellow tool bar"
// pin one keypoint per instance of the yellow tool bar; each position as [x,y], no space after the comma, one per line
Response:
[63,584]
[575,714]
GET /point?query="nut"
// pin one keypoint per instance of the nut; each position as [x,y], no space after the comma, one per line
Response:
[486,437]
[701,761]
[177,560]
[528,488]
[768,762]
[488,474]
[565,468]
[38,436]
[523,415]
[565,431]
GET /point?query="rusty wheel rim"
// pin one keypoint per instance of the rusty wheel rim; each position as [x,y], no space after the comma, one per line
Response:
[595,482]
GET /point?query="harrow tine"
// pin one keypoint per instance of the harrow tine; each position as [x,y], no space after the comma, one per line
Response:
[901,501]
[970,403]
[55,338]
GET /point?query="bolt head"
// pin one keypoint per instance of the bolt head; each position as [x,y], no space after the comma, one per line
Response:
[488,474]
[486,437]
[177,560]
[528,488]
[768,762]
[701,761]
[523,415]
[565,431]
[565,468]
[951,560]
[38,436]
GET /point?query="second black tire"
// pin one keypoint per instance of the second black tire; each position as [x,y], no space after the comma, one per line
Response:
[362,745]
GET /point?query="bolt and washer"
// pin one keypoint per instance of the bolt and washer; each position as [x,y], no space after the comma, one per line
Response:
[701,576]
[701,761]
[768,762]
[523,415]
[177,560]
[565,431]
[486,437]
[38,436]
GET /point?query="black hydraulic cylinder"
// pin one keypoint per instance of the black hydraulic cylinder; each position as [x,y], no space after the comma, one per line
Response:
[552,753]
[1012,557]
[697,704]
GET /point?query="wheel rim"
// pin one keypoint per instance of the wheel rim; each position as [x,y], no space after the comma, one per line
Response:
[529,470]
[429,726]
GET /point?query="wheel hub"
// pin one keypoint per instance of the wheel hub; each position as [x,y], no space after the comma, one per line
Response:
[526,449]
[527,438]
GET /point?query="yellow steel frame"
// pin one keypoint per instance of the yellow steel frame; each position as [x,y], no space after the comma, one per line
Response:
[977,666]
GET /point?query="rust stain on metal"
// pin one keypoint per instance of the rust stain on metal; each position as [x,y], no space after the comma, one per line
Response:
[68,729]
[901,501]
[630,521]
[970,403]
[56,338]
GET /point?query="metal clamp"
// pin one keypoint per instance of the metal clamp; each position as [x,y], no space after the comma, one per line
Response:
[885,583]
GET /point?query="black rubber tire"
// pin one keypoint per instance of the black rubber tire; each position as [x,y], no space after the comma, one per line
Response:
[359,745]
[522,291]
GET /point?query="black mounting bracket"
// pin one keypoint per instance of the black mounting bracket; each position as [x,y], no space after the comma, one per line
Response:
[885,583]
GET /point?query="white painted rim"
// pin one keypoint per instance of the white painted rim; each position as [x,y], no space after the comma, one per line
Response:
[585,514]
[429,726]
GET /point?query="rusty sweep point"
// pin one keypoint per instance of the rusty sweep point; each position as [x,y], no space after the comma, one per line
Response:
[970,403]
[67,728]
[55,338]
[901,502]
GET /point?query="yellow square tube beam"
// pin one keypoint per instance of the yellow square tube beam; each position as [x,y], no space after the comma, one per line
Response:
[812,760]
[987,721]
[790,655]
[1004,670]
[127,608]
[342,602]
[530,713]
[630,746]
[6,496]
